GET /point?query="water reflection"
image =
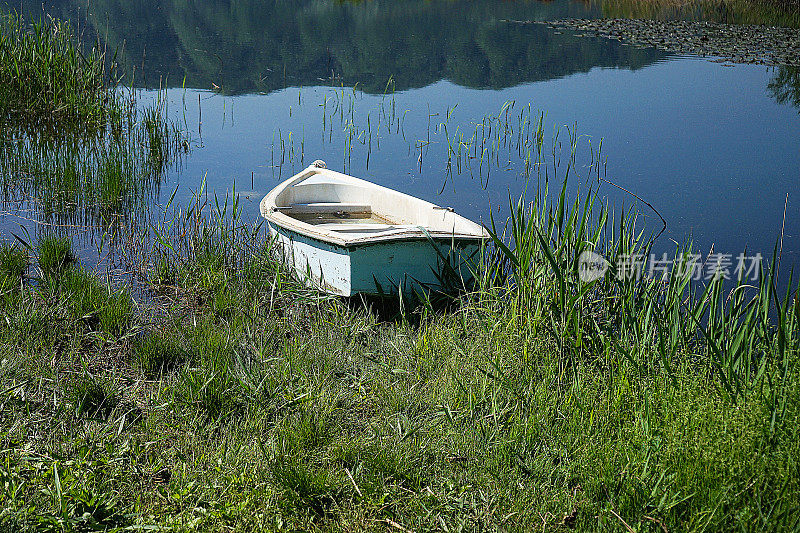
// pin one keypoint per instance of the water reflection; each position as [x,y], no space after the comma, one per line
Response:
[785,86]
[251,46]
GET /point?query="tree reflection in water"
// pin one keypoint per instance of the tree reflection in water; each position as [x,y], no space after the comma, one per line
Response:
[785,86]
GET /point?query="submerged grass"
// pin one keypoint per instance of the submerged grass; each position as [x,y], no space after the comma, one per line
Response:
[47,81]
[96,180]
[537,401]
[75,147]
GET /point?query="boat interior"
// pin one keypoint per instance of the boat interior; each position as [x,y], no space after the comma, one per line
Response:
[351,208]
[341,218]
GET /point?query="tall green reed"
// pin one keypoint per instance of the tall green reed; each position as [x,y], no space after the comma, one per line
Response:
[741,333]
[75,148]
[48,81]
[93,180]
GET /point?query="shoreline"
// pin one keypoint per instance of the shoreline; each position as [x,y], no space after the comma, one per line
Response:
[735,43]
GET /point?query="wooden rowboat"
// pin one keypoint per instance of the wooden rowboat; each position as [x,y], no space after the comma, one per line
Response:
[348,236]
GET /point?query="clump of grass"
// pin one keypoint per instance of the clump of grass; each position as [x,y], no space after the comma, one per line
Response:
[538,265]
[303,485]
[85,295]
[212,387]
[75,145]
[116,312]
[209,390]
[92,396]
[164,271]
[156,353]
[95,304]
[55,256]
[13,265]
[158,134]
[46,78]
[112,182]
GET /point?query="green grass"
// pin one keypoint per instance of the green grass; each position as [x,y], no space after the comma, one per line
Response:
[47,81]
[76,147]
[156,353]
[533,400]
[55,256]
[91,396]
[13,266]
[93,304]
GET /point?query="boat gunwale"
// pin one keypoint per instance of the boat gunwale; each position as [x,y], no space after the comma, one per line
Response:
[419,233]
[363,242]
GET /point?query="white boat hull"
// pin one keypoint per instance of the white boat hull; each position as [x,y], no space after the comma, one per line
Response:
[348,236]
[382,268]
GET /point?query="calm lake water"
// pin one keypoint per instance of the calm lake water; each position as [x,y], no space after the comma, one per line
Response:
[265,90]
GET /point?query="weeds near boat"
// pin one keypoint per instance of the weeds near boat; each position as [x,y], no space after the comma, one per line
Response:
[737,335]
[311,412]
[512,138]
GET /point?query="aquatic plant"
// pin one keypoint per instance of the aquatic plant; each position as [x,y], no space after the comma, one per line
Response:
[55,256]
[75,147]
[93,181]
[47,82]
[736,334]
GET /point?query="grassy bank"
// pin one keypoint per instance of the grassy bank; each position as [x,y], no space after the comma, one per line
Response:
[760,12]
[231,397]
